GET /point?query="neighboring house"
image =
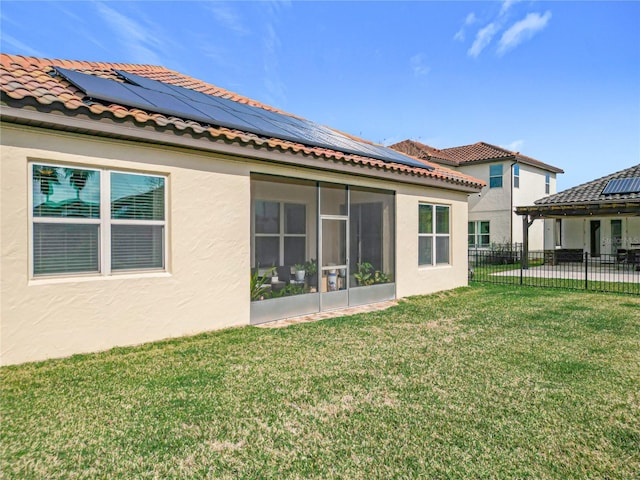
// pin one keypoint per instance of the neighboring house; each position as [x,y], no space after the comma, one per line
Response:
[139,203]
[600,217]
[512,179]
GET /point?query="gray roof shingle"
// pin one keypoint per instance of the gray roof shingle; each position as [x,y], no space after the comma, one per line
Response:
[592,191]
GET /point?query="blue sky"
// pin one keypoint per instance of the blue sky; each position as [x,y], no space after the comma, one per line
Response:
[558,81]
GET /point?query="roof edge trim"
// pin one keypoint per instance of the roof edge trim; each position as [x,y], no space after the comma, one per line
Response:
[74,124]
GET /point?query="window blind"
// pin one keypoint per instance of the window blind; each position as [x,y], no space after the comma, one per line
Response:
[65,248]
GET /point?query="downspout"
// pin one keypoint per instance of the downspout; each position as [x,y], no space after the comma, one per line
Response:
[511,204]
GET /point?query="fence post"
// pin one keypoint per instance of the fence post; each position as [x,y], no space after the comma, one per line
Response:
[522,262]
[586,270]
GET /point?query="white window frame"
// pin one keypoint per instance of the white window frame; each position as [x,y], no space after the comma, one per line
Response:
[434,235]
[477,234]
[547,183]
[281,235]
[516,176]
[104,223]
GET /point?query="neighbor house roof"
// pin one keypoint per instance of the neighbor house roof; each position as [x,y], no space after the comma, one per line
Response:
[614,194]
[480,152]
[425,152]
[30,84]
[593,191]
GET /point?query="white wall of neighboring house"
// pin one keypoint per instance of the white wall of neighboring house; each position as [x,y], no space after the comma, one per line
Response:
[576,233]
[497,205]
[492,204]
[532,188]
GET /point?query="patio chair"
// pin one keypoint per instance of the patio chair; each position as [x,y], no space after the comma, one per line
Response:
[633,258]
[621,257]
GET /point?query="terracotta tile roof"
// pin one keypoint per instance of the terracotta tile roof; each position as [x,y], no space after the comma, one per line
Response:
[591,192]
[482,151]
[478,152]
[30,82]
[426,152]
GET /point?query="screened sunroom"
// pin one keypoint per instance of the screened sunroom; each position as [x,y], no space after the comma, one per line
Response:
[318,246]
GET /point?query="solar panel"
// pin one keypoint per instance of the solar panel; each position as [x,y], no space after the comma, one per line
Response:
[225,112]
[201,97]
[298,129]
[622,185]
[146,82]
[174,100]
[103,89]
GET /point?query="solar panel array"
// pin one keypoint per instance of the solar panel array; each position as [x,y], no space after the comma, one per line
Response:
[622,185]
[173,100]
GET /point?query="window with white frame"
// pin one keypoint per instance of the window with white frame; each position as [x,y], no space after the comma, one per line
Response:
[516,176]
[495,176]
[96,221]
[433,234]
[479,234]
[280,233]
[547,183]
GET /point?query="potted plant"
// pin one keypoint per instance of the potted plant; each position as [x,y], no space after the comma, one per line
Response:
[311,270]
[364,275]
[300,271]
[367,275]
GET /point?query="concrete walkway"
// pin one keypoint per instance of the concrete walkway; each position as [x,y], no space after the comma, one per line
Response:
[602,273]
[373,307]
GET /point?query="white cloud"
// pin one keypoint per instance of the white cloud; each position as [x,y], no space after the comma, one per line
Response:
[418,66]
[141,41]
[483,38]
[523,30]
[20,47]
[469,20]
[514,146]
[506,5]
[228,18]
[274,85]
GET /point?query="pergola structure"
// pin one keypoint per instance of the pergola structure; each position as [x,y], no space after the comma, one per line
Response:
[601,209]
[617,195]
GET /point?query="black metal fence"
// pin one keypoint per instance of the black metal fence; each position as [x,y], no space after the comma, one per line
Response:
[564,268]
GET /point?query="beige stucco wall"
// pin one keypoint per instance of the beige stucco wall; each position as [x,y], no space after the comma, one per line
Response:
[206,284]
[414,280]
[205,287]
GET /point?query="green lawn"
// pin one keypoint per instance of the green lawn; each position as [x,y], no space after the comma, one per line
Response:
[481,382]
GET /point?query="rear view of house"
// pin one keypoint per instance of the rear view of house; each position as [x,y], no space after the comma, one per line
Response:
[512,180]
[139,203]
